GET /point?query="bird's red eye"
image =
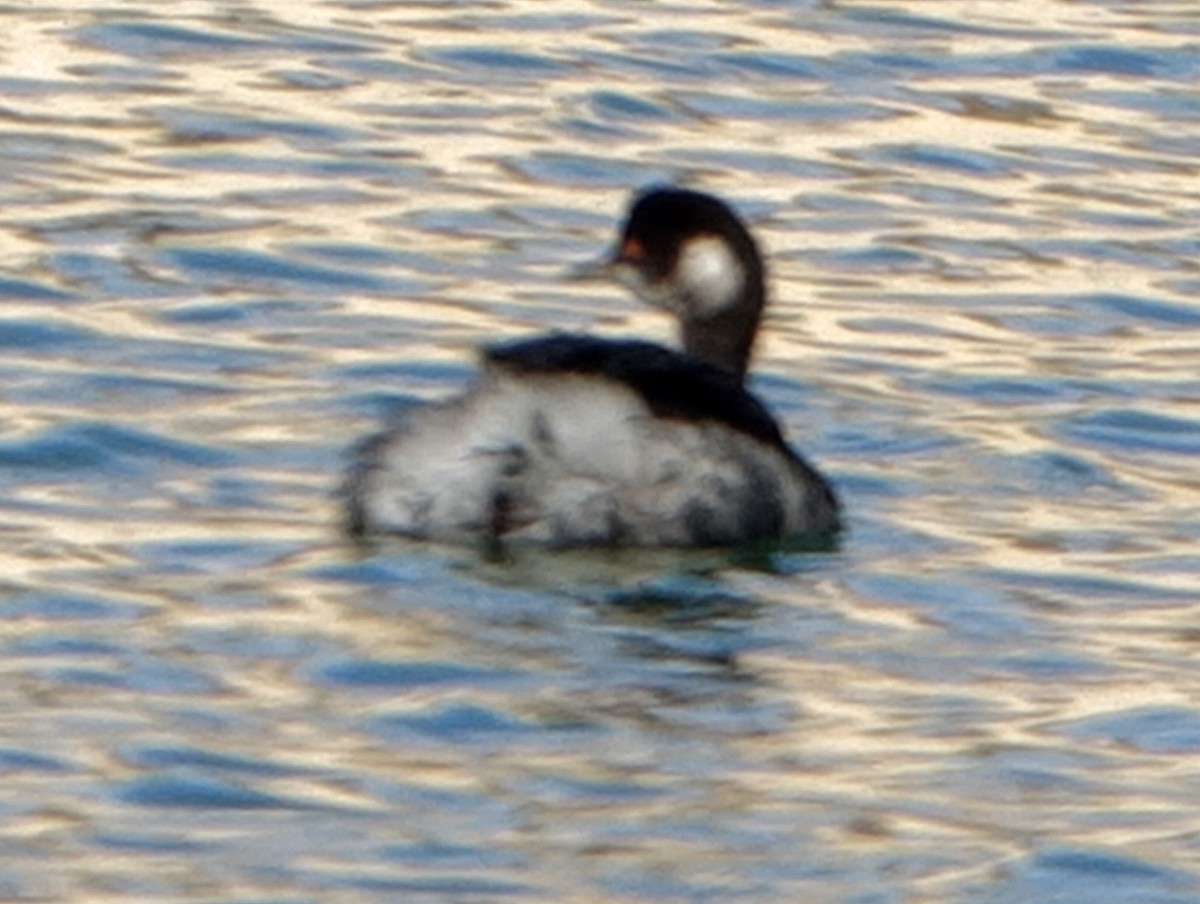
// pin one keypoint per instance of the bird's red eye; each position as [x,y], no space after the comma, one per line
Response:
[632,250]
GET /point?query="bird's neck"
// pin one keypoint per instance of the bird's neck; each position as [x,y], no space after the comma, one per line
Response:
[725,338]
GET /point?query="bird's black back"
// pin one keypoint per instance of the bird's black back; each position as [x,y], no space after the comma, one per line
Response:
[673,385]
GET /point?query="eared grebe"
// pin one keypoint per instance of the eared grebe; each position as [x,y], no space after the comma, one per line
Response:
[573,440]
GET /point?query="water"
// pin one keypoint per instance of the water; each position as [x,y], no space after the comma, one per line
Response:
[235,235]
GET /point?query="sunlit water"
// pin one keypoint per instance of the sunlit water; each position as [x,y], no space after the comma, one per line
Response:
[235,236]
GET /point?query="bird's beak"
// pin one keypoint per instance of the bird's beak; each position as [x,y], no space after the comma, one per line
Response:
[617,263]
[590,271]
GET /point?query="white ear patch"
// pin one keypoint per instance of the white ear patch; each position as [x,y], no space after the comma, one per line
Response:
[709,273]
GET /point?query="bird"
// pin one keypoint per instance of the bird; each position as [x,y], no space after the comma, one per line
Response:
[570,440]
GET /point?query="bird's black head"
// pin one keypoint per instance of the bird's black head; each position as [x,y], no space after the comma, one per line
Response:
[688,253]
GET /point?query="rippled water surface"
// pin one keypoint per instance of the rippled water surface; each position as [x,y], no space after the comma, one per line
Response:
[236,235]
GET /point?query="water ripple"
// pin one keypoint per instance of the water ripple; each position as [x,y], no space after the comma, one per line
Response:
[370,674]
[87,449]
[1130,431]
[1154,729]
[198,791]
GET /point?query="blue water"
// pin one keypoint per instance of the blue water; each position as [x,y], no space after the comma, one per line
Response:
[235,240]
